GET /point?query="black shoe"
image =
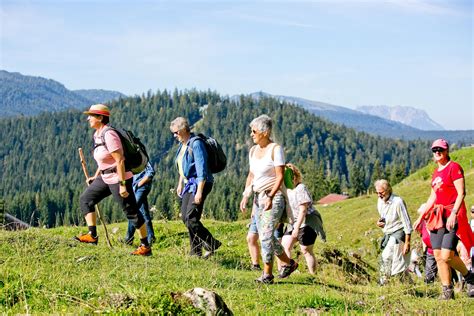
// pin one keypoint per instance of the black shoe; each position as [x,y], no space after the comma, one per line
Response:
[470,290]
[255,267]
[469,278]
[265,279]
[289,269]
[211,252]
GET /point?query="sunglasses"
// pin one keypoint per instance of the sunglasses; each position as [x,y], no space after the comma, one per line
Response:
[437,150]
[253,131]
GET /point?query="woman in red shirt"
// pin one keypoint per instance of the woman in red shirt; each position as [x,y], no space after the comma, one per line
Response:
[447,194]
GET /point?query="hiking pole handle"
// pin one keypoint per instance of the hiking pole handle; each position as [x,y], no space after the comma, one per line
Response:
[83,163]
[86,174]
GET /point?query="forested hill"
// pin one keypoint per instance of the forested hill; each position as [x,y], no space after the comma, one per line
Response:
[29,95]
[42,177]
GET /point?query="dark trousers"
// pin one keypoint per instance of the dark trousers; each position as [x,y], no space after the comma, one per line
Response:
[99,190]
[199,236]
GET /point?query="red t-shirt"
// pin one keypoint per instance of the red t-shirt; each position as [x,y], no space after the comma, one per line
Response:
[442,183]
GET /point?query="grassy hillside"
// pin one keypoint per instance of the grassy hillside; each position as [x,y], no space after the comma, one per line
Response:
[44,271]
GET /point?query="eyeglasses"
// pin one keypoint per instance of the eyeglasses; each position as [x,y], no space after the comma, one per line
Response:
[437,150]
[381,193]
[253,131]
[176,133]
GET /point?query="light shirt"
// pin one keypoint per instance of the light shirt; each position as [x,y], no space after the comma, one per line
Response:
[179,161]
[263,169]
[103,157]
[301,196]
[395,213]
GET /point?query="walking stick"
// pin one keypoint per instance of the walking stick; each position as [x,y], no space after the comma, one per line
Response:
[84,168]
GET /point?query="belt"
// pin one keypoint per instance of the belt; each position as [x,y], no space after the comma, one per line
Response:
[109,170]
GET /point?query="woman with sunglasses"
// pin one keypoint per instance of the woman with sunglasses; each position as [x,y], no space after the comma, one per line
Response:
[265,180]
[194,185]
[447,196]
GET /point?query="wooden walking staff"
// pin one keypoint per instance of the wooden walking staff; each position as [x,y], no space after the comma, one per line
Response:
[84,168]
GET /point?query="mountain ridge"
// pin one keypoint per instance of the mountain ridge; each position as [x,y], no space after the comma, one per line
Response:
[371,124]
[31,95]
[407,115]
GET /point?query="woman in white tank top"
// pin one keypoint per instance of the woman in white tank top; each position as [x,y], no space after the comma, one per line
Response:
[265,179]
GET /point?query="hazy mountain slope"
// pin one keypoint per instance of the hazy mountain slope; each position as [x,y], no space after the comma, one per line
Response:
[404,114]
[28,95]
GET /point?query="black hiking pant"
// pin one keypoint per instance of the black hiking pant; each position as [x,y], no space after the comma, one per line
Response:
[199,236]
[99,190]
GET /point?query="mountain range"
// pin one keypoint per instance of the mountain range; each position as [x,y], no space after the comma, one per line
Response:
[29,95]
[371,123]
[404,114]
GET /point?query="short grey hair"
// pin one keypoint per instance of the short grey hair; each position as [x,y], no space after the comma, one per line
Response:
[180,123]
[384,184]
[263,123]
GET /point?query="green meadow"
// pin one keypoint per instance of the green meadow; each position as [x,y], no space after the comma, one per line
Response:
[44,271]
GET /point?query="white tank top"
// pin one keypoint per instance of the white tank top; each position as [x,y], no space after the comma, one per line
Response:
[263,169]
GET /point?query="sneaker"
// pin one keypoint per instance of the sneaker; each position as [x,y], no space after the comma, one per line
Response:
[289,269]
[255,267]
[87,238]
[211,252]
[142,251]
[265,279]
[447,294]
[470,290]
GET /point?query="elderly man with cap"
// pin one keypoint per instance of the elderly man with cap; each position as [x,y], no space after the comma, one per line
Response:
[396,226]
[447,200]
[111,178]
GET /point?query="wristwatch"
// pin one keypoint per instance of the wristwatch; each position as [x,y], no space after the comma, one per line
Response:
[123,182]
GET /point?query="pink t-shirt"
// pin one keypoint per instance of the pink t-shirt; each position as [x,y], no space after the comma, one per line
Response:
[103,157]
[443,183]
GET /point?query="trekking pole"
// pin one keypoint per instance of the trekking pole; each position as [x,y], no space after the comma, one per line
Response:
[86,174]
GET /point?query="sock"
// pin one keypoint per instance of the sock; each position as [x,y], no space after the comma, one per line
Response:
[93,231]
[145,242]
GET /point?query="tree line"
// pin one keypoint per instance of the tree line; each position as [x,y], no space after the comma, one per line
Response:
[42,176]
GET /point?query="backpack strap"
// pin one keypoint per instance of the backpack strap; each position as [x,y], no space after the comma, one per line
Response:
[102,137]
[191,142]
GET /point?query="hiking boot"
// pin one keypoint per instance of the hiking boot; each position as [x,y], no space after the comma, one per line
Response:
[211,252]
[289,269]
[87,238]
[255,267]
[265,279]
[447,294]
[142,251]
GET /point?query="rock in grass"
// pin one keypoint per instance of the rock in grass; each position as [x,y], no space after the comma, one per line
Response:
[209,302]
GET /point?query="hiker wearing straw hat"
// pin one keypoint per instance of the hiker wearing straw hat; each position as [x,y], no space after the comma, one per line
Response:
[111,178]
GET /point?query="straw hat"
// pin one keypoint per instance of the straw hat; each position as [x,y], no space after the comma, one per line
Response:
[98,109]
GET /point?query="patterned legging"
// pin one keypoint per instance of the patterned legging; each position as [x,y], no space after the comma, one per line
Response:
[266,224]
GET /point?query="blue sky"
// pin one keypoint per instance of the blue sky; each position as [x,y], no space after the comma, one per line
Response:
[412,53]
